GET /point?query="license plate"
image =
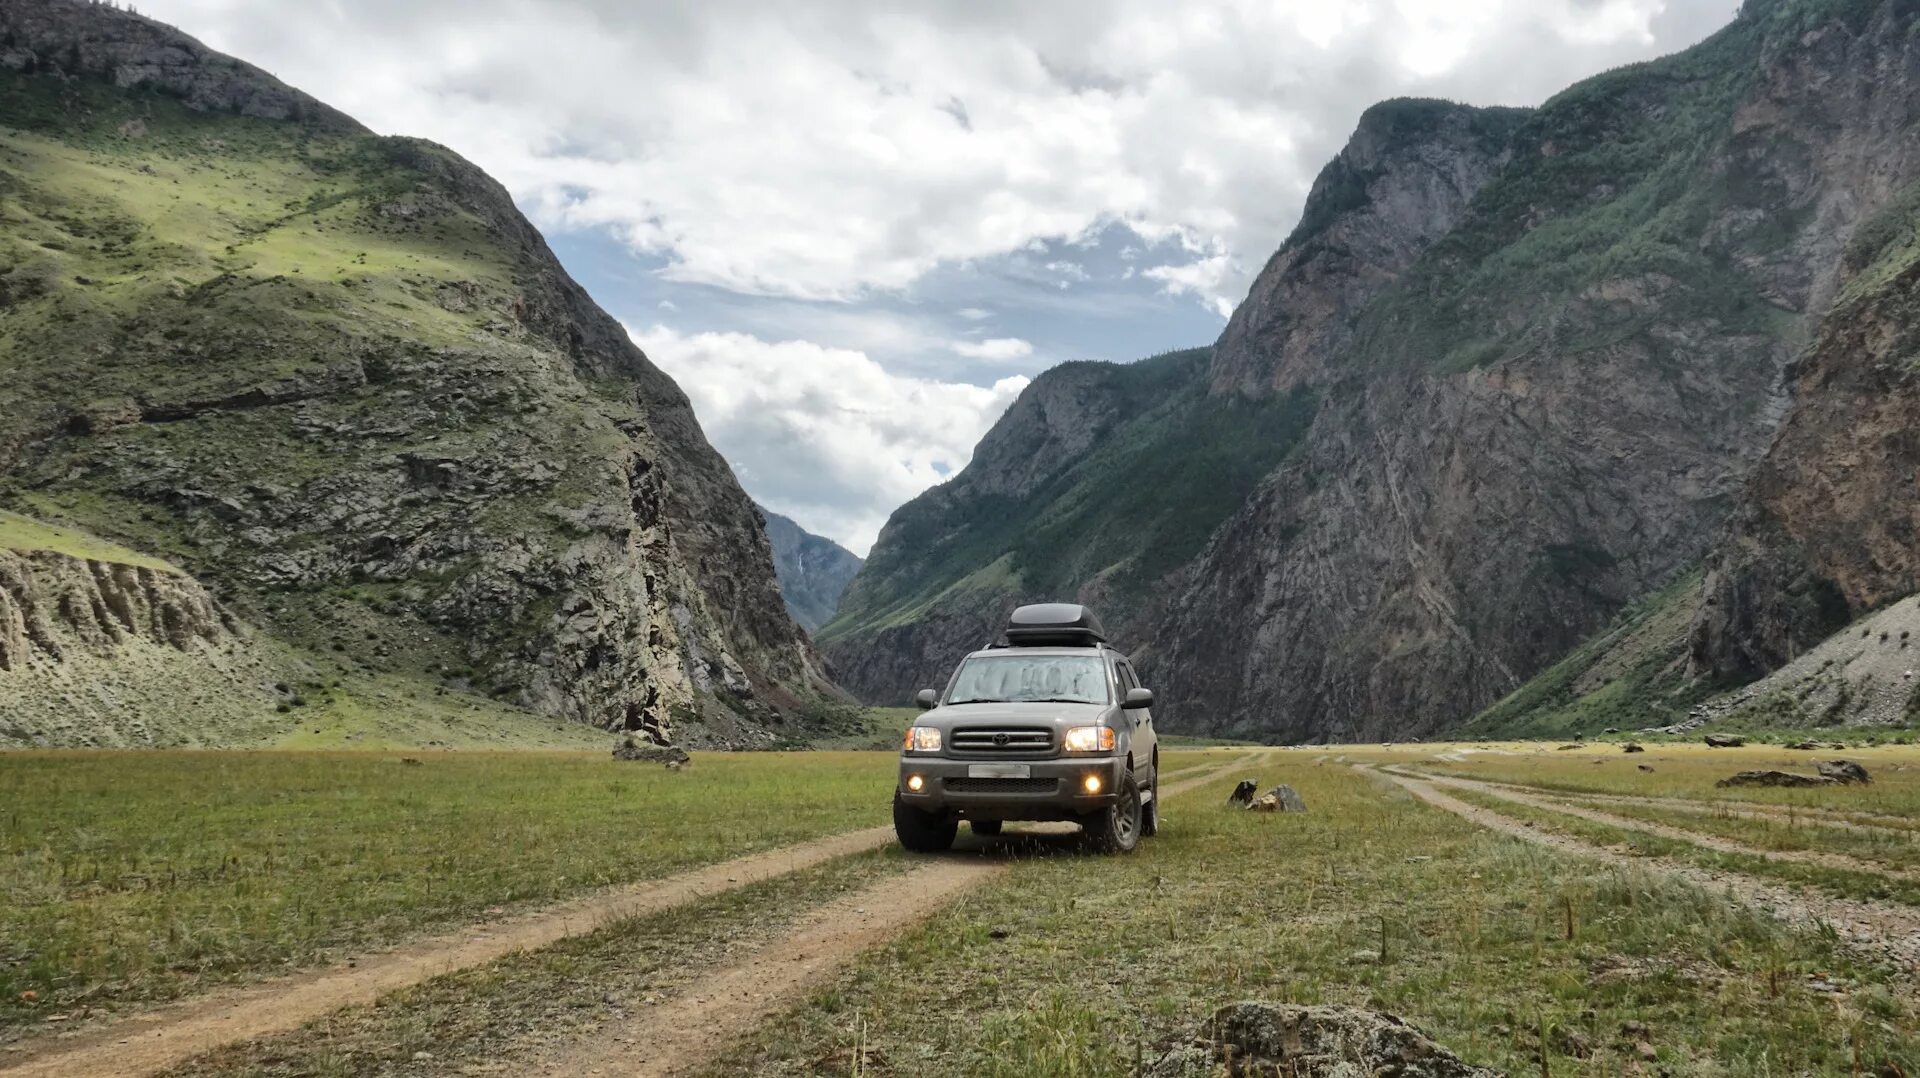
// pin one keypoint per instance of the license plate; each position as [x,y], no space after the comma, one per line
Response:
[999,771]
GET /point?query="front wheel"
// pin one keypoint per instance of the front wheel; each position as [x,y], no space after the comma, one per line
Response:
[923,832]
[1116,829]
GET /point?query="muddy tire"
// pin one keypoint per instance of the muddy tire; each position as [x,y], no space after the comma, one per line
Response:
[1116,829]
[923,832]
[986,828]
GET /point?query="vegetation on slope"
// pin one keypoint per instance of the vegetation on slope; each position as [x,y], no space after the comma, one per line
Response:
[1139,504]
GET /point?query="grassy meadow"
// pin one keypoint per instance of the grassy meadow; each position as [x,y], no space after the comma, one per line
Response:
[142,876]
[137,877]
[1514,956]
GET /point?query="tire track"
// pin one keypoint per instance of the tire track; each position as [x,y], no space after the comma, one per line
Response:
[1839,819]
[1877,930]
[708,1015]
[160,1038]
[1719,844]
[157,1039]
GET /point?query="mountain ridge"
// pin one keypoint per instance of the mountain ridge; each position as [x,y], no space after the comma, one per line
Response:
[342,380]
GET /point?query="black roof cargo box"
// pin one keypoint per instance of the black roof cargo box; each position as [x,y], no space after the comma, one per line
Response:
[1054,625]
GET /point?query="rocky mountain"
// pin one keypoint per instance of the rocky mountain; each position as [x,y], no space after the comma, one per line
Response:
[1535,357]
[813,570]
[342,381]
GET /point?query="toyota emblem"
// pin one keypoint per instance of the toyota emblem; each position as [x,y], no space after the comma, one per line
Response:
[1000,739]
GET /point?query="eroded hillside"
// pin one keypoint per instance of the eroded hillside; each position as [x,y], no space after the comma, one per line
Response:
[341,379]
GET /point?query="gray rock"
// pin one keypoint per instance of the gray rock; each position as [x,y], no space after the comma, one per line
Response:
[632,748]
[1309,1042]
[1845,772]
[1724,741]
[1768,777]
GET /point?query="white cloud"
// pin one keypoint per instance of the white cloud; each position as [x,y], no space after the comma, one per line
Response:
[996,349]
[832,149]
[974,314]
[826,435]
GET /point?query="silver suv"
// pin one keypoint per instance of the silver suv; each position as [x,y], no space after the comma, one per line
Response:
[1050,725]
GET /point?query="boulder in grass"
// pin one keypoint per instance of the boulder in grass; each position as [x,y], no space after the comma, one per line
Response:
[1774,778]
[1632,746]
[1309,1042]
[1805,746]
[1845,772]
[1725,741]
[631,748]
[1281,798]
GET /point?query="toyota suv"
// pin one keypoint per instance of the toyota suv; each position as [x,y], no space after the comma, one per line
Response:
[1052,724]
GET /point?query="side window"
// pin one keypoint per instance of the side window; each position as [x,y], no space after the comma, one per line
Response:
[1127,680]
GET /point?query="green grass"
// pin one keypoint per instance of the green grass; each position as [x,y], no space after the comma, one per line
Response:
[1842,883]
[1073,966]
[26,534]
[132,877]
[1898,849]
[1692,771]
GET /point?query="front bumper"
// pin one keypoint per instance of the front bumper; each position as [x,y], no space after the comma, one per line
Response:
[1053,790]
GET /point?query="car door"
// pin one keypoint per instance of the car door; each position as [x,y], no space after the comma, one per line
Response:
[1144,738]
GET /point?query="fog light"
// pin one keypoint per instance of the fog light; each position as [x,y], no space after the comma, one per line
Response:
[915,782]
[1092,784]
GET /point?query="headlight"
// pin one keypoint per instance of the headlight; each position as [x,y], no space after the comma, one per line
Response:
[1090,739]
[922,739]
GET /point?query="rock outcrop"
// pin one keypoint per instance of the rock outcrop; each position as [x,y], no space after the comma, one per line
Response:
[99,652]
[366,400]
[1310,1042]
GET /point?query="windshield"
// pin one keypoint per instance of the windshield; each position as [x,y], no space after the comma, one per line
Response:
[1066,679]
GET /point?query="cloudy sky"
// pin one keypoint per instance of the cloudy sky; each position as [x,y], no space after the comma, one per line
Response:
[854,230]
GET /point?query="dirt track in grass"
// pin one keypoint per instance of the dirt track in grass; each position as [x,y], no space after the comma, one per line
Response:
[1879,929]
[707,1016]
[160,1038]
[166,1036]
[1554,802]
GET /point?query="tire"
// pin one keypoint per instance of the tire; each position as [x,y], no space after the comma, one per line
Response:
[923,832]
[986,828]
[1116,829]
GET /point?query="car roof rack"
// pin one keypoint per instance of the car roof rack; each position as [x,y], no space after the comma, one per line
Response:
[1055,625]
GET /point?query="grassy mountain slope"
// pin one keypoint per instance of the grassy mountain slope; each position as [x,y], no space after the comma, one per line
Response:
[1105,479]
[341,379]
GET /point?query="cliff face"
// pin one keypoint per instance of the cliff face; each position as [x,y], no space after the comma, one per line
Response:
[100,651]
[1529,451]
[813,570]
[1827,527]
[1541,353]
[342,378]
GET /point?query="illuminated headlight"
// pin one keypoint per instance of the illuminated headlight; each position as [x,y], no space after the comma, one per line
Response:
[1092,784]
[916,783]
[922,739]
[1089,739]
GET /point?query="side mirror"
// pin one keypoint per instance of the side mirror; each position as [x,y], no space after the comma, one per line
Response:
[1138,699]
[928,699]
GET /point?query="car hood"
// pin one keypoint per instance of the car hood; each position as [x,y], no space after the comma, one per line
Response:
[1021,714]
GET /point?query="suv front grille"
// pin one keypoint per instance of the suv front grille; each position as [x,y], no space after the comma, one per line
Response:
[1027,739]
[1044,787]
